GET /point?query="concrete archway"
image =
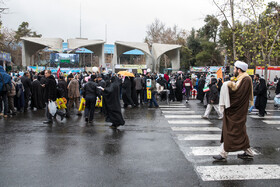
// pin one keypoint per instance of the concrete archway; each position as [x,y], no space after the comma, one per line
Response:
[122,47]
[172,51]
[30,45]
[96,46]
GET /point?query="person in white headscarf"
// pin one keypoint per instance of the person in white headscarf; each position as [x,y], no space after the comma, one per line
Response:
[234,135]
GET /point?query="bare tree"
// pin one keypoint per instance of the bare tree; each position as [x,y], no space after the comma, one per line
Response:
[223,8]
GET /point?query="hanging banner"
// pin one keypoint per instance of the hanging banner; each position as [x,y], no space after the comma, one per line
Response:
[250,71]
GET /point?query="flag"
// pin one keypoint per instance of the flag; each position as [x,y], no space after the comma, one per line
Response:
[206,89]
[58,71]
[220,74]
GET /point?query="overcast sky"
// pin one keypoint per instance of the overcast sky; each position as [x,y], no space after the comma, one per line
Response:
[126,20]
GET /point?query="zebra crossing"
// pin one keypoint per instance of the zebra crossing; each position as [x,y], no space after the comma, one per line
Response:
[199,140]
[268,119]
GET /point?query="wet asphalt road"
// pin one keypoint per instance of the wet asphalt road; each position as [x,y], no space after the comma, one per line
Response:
[144,152]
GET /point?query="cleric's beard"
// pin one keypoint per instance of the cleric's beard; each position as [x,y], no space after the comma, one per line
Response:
[236,74]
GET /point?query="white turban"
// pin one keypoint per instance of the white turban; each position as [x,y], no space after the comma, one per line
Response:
[241,65]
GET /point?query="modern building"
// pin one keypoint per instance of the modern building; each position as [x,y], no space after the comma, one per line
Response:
[89,53]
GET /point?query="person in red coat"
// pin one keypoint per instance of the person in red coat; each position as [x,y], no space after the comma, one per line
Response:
[188,86]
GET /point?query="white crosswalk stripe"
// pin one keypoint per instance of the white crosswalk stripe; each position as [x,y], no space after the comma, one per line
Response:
[186,122]
[255,113]
[198,136]
[174,105]
[270,101]
[214,150]
[170,106]
[238,172]
[196,129]
[266,117]
[271,122]
[178,112]
[189,129]
[182,116]
[175,109]
[269,110]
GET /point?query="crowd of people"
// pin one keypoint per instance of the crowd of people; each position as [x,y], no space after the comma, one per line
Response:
[34,91]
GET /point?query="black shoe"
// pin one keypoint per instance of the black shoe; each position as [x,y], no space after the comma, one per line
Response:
[245,156]
[86,119]
[219,158]
[47,122]
[90,122]
[114,126]
[261,116]
[62,117]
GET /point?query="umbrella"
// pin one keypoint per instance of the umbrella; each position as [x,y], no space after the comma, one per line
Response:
[126,73]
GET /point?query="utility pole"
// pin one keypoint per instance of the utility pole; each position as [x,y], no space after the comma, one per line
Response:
[105,33]
[80,19]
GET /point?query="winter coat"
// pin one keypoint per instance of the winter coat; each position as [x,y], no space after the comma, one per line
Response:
[139,83]
[62,85]
[277,91]
[50,89]
[13,91]
[213,95]
[153,87]
[90,90]
[6,77]
[27,85]
[73,89]
[188,83]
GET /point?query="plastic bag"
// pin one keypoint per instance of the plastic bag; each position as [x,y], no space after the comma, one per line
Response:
[149,94]
[99,102]
[82,104]
[52,108]
[277,100]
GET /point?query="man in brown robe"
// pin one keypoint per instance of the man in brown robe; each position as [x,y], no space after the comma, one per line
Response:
[234,135]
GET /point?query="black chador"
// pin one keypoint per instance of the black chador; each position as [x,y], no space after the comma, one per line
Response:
[112,103]
[37,97]
[126,92]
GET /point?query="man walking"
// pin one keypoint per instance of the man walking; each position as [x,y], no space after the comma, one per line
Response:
[234,135]
[73,93]
[139,87]
[50,89]
[90,93]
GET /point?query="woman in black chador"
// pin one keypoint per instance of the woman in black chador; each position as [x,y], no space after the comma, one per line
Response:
[112,103]
[126,92]
[261,97]
[179,88]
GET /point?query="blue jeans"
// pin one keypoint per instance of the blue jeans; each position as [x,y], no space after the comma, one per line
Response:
[90,107]
[188,92]
[145,96]
[252,107]
[153,100]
